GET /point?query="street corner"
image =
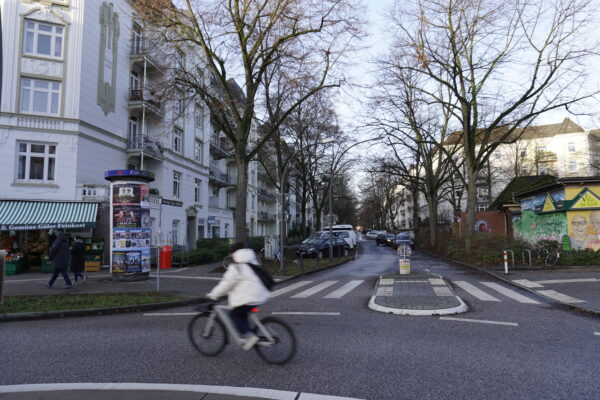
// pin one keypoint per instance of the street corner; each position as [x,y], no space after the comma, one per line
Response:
[415,294]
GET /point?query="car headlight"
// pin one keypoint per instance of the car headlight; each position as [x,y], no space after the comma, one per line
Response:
[310,249]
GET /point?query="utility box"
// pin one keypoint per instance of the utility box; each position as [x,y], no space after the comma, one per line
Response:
[271,247]
[404,266]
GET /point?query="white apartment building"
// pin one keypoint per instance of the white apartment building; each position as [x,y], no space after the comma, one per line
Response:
[563,150]
[77,100]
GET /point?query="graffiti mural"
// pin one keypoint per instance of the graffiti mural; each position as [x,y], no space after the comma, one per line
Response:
[584,229]
[533,227]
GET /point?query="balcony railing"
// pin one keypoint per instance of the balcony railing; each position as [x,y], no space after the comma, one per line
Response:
[143,97]
[218,176]
[267,195]
[142,50]
[265,216]
[145,144]
[220,148]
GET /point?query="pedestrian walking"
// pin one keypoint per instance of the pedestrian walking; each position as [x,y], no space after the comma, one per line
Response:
[78,260]
[59,255]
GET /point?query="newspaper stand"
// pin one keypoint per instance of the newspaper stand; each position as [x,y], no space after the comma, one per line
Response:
[404,254]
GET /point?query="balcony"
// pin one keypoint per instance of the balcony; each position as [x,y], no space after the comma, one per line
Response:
[218,177]
[266,195]
[265,216]
[143,99]
[142,52]
[213,202]
[146,145]
[220,148]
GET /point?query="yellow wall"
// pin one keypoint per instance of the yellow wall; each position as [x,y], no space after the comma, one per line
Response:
[571,192]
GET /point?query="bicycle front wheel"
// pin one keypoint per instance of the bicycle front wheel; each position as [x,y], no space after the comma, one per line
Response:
[283,347]
[551,259]
[208,340]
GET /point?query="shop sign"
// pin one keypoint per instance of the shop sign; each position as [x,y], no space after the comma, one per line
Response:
[172,202]
[587,200]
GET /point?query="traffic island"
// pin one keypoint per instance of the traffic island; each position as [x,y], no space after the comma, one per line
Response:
[415,294]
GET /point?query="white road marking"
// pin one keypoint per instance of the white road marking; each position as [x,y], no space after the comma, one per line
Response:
[199,278]
[437,281]
[475,291]
[597,333]
[313,290]
[386,281]
[290,288]
[560,297]
[170,314]
[527,283]
[509,293]
[579,280]
[385,291]
[223,390]
[479,321]
[442,291]
[304,313]
[347,288]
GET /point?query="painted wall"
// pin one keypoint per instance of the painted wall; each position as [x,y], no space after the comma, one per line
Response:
[533,227]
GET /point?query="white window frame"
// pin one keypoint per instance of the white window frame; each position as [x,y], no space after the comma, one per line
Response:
[178,103]
[197,190]
[29,91]
[134,81]
[482,206]
[49,157]
[198,150]
[35,32]
[198,116]
[176,184]
[571,147]
[572,165]
[177,144]
[133,133]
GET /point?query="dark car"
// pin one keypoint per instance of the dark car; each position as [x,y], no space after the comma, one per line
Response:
[319,247]
[386,239]
[403,238]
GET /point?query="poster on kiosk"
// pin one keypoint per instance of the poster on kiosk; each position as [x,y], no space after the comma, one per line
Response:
[130,221]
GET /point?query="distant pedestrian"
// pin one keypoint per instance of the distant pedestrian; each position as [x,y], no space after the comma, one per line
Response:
[77,259]
[59,255]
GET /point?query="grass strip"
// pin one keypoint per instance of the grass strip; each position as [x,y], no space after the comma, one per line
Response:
[26,304]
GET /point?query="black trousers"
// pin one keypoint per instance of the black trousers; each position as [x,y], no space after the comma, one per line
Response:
[239,315]
[63,272]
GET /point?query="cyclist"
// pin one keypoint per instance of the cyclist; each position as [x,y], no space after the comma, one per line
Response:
[244,290]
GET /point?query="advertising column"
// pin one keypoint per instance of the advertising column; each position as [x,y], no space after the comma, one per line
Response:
[131,230]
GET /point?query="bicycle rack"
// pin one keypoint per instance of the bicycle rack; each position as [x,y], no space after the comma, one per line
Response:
[523,255]
[505,254]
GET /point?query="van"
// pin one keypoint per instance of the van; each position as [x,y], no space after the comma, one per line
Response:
[349,233]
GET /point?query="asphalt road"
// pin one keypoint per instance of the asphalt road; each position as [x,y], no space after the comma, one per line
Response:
[510,347]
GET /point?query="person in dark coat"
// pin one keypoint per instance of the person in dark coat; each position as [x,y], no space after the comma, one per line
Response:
[78,259]
[59,255]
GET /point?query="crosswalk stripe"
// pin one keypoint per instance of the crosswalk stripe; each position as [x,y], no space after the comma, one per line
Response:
[290,288]
[336,294]
[475,291]
[528,283]
[313,290]
[509,293]
[560,297]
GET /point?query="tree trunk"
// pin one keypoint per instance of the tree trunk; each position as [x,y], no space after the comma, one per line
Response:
[415,201]
[432,204]
[241,197]
[470,223]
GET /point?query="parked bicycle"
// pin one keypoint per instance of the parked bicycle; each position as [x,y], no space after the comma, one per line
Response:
[547,256]
[213,328]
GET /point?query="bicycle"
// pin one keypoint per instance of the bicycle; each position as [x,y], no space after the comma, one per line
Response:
[210,330]
[549,257]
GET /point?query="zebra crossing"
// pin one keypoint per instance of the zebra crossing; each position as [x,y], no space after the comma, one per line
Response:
[333,289]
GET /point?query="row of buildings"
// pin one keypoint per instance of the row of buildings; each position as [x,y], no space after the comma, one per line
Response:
[563,150]
[78,98]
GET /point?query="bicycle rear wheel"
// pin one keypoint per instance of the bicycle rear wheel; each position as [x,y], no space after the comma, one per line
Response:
[209,342]
[551,259]
[284,347]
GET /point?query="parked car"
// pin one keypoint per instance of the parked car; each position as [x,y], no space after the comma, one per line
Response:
[347,236]
[344,228]
[319,247]
[403,238]
[386,239]
[372,234]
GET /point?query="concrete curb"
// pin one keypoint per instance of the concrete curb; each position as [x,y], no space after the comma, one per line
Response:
[14,317]
[501,278]
[407,311]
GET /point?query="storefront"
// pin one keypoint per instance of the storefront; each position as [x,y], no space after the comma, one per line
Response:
[28,228]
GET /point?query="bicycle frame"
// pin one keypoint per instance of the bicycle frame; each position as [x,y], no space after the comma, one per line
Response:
[221,312]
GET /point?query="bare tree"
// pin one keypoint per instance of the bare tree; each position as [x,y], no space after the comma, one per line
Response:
[504,63]
[236,41]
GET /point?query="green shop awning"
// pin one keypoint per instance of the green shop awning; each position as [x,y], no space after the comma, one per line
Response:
[33,215]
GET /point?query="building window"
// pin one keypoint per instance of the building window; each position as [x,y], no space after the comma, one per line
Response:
[40,96]
[174,232]
[177,140]
[198,150]
[37,162]
[136,39]
[43,39]
[226,233]
[523,153]
[482,207]
[540,149]
[176,184]
[197,190]
[573,166]
[198,116]
[133,133]
[134,81]
[571,147]
[543,168]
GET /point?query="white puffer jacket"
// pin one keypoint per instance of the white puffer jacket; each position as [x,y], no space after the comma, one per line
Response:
[240,282]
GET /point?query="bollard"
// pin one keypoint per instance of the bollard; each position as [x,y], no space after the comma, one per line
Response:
[2,271]
[505,262]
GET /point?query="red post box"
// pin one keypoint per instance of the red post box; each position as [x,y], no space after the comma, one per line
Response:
[165,257]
